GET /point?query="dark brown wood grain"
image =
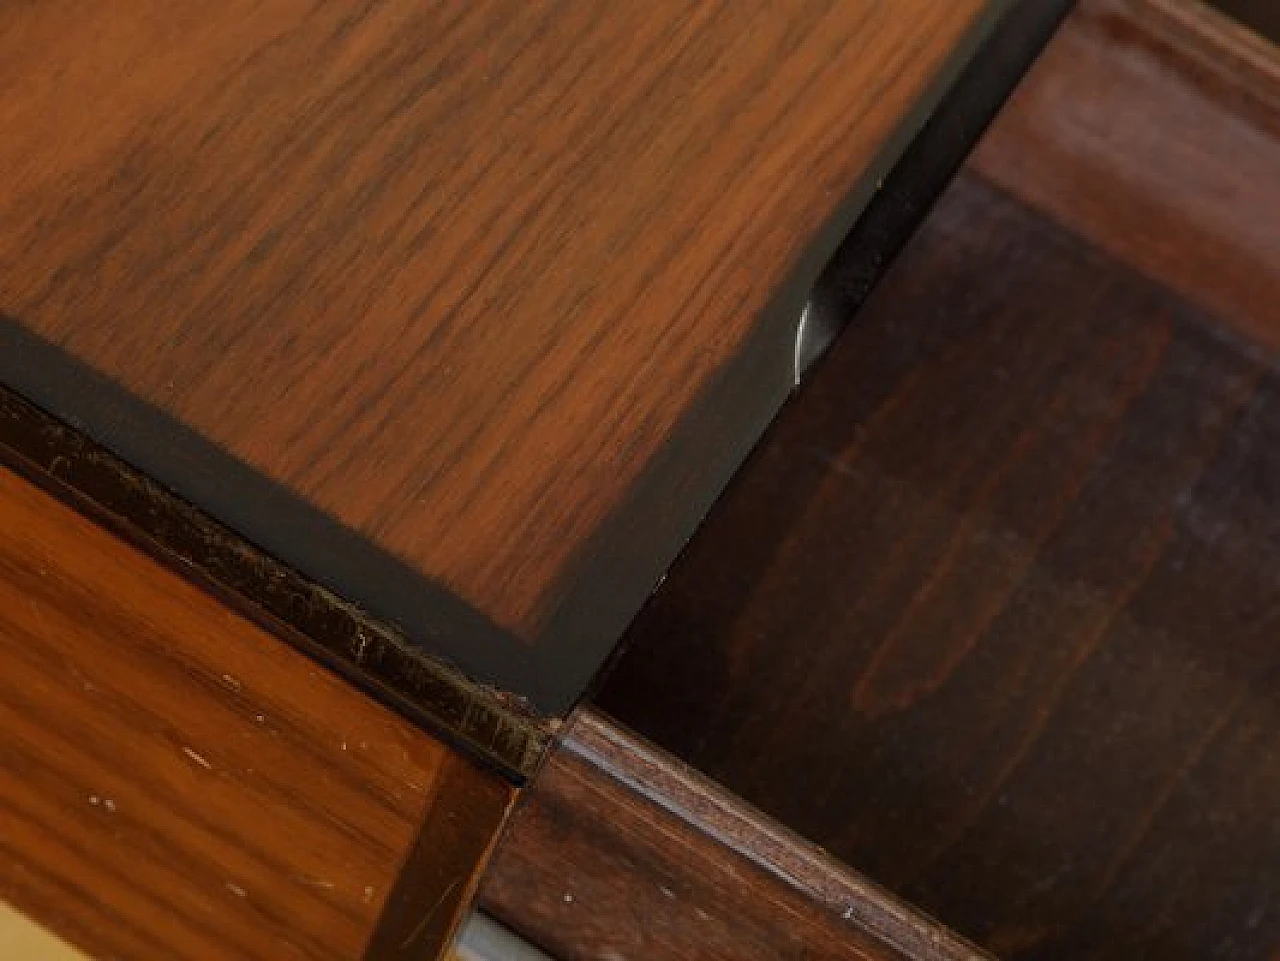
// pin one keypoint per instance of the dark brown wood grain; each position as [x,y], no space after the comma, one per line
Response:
[177,783]
[1152,128]
[1261,15]
[437,883]
[991,614]
[620,851]
[447,275]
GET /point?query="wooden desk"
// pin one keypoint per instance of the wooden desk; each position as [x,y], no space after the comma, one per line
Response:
[991,612]
[465,310]
[421,335]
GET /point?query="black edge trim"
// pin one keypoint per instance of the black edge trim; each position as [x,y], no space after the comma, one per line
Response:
[277,521]
[372,655]
[435,658]
[630,554]
[928,167]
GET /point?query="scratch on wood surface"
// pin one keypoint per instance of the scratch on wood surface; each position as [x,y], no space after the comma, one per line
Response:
[315,883]
[422,925]
[199,759]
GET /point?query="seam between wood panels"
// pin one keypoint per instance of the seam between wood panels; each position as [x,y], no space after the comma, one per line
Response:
[486,724]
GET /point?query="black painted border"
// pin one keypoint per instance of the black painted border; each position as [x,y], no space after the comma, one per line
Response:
[629,554]
[437,659]
[497,733]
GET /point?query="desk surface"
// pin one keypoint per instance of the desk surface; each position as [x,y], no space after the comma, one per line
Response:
[465,310]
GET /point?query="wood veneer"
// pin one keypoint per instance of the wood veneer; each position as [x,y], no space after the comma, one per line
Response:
[175,782]
[1152,129]
[450,279]
[621,851]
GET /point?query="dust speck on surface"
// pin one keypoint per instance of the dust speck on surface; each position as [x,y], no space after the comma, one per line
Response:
[237,890]
[667,892]
[109,804]
[568,898]
[94,799]
[199,759]
[260,718]
[231,682]
[368,893]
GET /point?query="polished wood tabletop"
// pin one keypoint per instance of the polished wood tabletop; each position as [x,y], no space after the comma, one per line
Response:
[465,310]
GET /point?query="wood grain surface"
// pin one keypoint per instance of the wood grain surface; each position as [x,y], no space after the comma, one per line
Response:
[991,613]
[372,654]
[1152,128]
[176,783]
[446,276]
[620,851]
[1260,15]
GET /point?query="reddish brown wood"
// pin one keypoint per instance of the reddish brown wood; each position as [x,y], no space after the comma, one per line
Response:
[453,273]
[1152,128]
[177,783]
[374,654]
[621,851]
[991,613]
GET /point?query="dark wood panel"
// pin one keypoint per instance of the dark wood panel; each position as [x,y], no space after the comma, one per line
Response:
[1152,128]
[1260,15]
[446,276]
[177,783]
[620,851]
[992,612]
